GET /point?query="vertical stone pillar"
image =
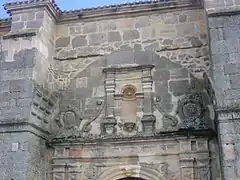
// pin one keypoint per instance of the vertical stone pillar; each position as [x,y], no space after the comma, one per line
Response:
[187,171]
[110,121]
[195,169]
[223,23]
[148,119]
[28,51]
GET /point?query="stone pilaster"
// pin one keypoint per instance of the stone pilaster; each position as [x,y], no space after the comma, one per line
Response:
[110,121]
[148,119]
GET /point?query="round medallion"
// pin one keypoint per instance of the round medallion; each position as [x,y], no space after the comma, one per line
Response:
[129,91]
[69,119]
[192,110]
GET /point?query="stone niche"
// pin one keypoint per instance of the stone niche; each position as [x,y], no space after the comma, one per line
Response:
[128,90]
[141,93]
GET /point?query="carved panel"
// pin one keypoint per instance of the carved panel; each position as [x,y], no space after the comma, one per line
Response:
[192,110]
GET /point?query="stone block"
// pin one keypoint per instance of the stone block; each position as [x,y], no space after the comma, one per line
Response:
[35,24]
[130,35]
[219,22]
[125,48]
[232,68]
[79,41]
[107,26]
[4,86]
[182,18]
[16,18]
[179,73]
[81,82]
[231,32]
[114,36]
[235,81]
[186,30]
[166,30]
[142,22]
[17,26]
[40,15]
[152,47]
[147,33]
[178,88]
[83,92]
[221,58]
[137,47]
[75,30]
[97,38]
[15,74]
[63,41]
[162,75]
[25,102]
[90,28]
[124,57]
[161,87]
[18,85]
[195,41]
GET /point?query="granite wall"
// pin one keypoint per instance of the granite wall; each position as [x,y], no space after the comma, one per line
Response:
[223,22]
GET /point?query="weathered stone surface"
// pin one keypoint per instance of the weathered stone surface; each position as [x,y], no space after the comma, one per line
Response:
[130,35]
[79,41]
[35,24]
[90,28]
[114,36]
[97,38]
[179,88]
[63,42]
[59,72]
[17,26]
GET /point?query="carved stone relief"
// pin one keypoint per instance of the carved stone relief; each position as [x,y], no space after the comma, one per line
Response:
[69,118]
[191,110]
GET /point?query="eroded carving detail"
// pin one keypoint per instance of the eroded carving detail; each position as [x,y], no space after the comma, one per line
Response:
[69,118]
[191,110]
[109,125]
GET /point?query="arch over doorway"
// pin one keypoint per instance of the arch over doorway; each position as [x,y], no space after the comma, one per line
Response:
[130,172]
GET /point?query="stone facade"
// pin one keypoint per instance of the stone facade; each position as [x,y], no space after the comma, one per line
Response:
[146,90]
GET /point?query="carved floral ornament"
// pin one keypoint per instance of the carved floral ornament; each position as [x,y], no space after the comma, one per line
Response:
[129,92]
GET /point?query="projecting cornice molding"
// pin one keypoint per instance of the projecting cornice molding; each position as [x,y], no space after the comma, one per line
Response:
[34,4]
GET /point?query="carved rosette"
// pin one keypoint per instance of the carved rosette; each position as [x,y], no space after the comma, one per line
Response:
[191,110]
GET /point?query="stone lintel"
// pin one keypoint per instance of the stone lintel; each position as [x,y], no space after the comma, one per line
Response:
[19,35]
[127,68]
[29,5]
[223,11]
[128,9]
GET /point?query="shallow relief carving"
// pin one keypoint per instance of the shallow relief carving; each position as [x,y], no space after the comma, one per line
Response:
[191,111]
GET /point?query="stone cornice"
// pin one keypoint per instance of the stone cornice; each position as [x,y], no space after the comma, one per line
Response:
[24,126]
[19,6]
[223,11]
[141,137]
[127,68]
[19,35]
[228,113]
[128,9]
